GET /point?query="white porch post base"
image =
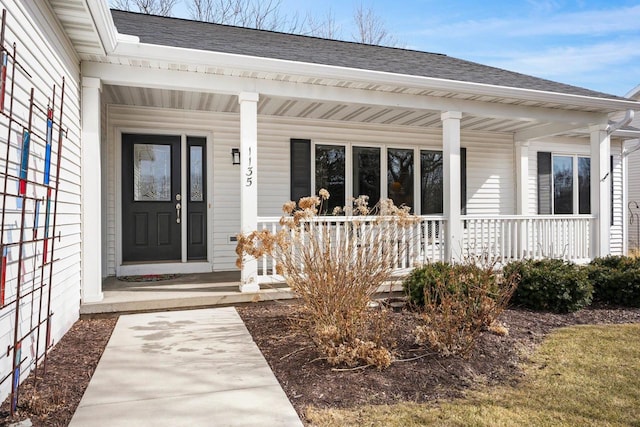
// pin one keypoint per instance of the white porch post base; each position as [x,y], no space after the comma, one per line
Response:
[91,290]
[451,178]
[249,183]
[600,191]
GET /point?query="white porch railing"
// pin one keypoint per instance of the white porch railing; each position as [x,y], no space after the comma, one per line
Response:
[417,244]
[506,238]
[502,238]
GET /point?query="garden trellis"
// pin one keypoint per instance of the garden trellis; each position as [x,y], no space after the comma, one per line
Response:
[31,142]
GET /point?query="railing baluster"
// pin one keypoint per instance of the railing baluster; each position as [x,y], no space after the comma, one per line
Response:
[503,237]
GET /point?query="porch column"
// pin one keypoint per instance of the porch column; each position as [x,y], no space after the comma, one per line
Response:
[522,177]
[600,190]
[522,194]
[249,182]
[451,178]
[91,176]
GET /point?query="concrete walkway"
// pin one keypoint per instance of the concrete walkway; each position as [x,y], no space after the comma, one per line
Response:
[183,368]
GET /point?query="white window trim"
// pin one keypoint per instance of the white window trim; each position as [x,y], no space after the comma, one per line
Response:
[576,181]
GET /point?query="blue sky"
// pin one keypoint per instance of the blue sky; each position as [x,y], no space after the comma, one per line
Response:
[593,44]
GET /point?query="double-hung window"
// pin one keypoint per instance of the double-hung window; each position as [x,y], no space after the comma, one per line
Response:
[400,176]
[366,173]
[564,184]
[330,174]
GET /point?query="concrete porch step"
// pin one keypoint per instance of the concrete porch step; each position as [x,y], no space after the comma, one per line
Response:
[188,291]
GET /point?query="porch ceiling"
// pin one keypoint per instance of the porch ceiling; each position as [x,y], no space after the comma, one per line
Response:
[309,109]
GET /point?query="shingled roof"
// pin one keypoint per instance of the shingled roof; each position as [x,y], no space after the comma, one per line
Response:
[189,34]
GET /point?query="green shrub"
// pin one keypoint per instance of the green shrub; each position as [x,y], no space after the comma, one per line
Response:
[424,277]
[616,280]
[550,285]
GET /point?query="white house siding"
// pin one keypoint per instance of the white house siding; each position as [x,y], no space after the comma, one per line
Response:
[48,56]
[569,146]
[490,176]
[633,176]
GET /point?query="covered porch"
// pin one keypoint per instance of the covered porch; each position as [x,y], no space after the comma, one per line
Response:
[261,113]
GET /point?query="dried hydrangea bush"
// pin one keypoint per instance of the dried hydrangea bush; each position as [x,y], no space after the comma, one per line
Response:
[335,264]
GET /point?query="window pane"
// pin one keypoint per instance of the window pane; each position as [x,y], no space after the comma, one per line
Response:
[151,173]
[330,175]
[431,182]
[366,173]
[195,168]
[584,185]
[400,176]
[562,185]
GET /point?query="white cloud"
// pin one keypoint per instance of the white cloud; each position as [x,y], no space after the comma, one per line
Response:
[592,22]
[562,62]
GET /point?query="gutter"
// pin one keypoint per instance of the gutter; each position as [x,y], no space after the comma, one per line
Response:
[128,47]
[103,24]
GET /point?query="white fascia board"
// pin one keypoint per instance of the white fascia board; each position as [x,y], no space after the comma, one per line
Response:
[271,65]
[550,129]
[103,23]
[125,75]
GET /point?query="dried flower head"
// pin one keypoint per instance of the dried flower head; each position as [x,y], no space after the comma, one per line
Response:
[289,207]
[323,193]
[310,202]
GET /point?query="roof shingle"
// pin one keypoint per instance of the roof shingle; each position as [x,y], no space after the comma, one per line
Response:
[189,34]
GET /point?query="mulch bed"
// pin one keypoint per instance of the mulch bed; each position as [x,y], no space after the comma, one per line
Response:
[308,380]
[70,365]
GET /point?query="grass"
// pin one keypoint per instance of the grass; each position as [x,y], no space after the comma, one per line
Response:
[582,375]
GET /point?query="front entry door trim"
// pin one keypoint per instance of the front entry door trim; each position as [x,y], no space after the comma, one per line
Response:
[184,266]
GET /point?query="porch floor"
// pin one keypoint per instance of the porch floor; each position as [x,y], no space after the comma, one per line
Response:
[187,291]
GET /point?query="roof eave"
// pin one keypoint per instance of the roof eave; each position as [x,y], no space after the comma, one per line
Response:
[135,50]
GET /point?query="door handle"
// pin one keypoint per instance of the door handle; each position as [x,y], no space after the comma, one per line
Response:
[178,209]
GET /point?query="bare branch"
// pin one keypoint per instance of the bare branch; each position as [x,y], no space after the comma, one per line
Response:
[149,7]
[324,26]
[371,29]
[263,15]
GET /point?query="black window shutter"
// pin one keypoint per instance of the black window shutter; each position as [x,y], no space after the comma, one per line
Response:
[300,169]
[463,180]
[544,183]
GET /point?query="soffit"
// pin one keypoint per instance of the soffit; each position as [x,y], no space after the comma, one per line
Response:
[303,109]
[78,24]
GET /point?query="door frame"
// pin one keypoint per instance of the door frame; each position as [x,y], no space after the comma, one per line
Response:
[184,266]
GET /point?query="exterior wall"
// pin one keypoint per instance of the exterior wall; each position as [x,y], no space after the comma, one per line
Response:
[633,178]
[490,176]
[48,56]
[580,147]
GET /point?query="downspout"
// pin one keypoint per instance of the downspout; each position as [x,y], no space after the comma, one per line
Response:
[628,117]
